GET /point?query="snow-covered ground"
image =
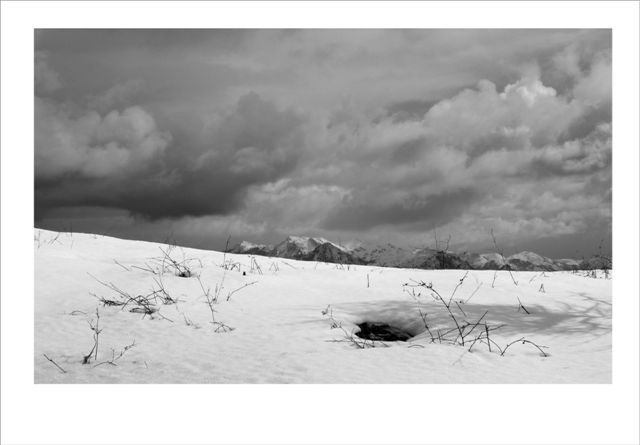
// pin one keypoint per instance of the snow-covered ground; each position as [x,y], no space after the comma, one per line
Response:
[282,323]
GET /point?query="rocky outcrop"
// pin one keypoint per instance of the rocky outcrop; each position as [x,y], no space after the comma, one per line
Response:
[330,253]
[434,259]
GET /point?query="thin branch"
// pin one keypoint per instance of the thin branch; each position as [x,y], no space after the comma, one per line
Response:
[124,267]
[240,288]
[293,267]
[146,269]
[457,286]
[473,293]
[57,365]
[115,358]
[477,323]
[521,306]
[486,329]
[96,336]
[523,340]
[542,289]
[463,313]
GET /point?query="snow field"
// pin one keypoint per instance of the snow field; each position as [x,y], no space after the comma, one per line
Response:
[280,333]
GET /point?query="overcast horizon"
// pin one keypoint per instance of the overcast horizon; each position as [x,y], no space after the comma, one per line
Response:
[373,135]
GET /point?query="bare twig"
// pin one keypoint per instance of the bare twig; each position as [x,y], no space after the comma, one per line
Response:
[457,286]
[501,253]
[211,301]
[124,267]
[146,269]
[441,252]
[190,323]
[221,327]
[291,266]
[476,324]
[521,306]
[55,239]
[240,288]
[142,304]
[96,337]
[107,301]
[542,289]
[423,316]
[56,365]
[473,293]
[486,329]
[114,357]
[162,292]
[255,266]
[474,341]
[463,313]
[349,336]
[447,306]
[523,340]
[181,269]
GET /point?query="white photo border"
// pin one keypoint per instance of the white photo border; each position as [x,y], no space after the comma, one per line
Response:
[311,413]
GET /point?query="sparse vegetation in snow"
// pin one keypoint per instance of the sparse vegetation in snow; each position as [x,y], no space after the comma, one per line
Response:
[372,328]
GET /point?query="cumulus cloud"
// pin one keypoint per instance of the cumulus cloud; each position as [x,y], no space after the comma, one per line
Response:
[420,174]
[524,106]
[591,153]
[116,96]
[595,87]
[47,80]
[91,145]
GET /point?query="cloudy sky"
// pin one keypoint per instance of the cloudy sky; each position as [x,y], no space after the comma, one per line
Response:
[375,135]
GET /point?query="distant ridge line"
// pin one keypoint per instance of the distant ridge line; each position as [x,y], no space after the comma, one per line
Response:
[320,249]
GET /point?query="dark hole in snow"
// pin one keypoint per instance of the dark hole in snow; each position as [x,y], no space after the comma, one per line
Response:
[382,332]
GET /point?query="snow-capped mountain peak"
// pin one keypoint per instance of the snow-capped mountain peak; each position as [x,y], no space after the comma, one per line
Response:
[248,247]
[297,246]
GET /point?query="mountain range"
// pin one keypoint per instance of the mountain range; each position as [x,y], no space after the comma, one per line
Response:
[320,249]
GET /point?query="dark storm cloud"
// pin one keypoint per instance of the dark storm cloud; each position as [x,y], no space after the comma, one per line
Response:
[91,160]
[588,122]
[425,213]
[407,152]
[100,40]
[344,133]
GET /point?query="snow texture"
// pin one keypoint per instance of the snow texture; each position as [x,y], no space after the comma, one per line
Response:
[282,323]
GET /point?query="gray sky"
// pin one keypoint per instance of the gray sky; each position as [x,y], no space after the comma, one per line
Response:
[376,135]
